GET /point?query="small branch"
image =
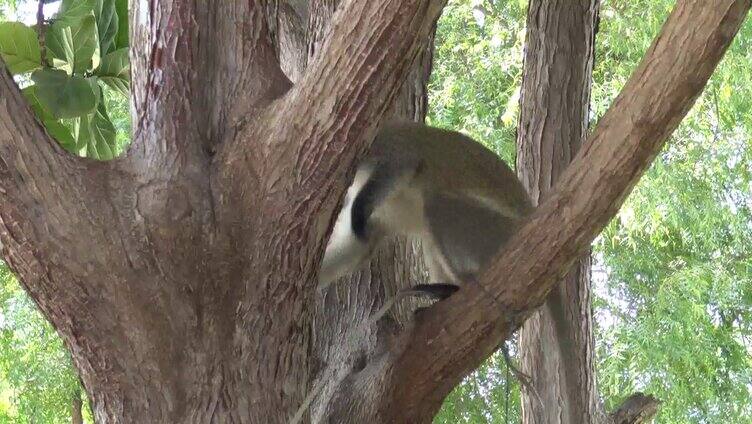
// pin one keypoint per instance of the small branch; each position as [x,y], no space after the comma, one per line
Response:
[636,409]
[76,407]
[524,379]
[41,30]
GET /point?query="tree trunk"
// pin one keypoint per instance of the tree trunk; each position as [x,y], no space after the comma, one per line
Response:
[556,342]
[182,276]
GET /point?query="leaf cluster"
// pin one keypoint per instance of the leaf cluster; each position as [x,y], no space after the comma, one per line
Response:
[85,48]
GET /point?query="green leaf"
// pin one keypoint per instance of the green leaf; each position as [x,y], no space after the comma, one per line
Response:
[107,24]
[19,47]
[95,87]
[63,95]
[73,45]
[54,127]
[72,11]
[121,8]
[59,42]
[115,71]
[95,134]
[86,45]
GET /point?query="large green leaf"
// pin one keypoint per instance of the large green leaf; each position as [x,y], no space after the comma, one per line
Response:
[59,42]
[121,8]
[115,71]
[93,83]
[86,45]
[65,96]
[107,24]
[54,127]
[95,134]
[72,11]
[19,47]
[74,48]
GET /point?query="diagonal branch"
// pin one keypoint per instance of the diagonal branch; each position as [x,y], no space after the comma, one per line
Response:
[53,207]
[352,79]
[41,185]
[348,88]
[458,333]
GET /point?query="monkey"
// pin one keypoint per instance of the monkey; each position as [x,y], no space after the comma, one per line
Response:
[452,193]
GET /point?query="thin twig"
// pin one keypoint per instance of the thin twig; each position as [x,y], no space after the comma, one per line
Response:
[40,32]
[524,379]
[506,395]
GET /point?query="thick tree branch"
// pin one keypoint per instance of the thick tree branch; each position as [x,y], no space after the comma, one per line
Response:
[454,337]
[350,84]
[41,186]
[351,81]
[319,23]
[59,236]
[347,89]
[22,134]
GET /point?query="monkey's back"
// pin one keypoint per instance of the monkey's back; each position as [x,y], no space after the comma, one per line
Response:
[482,174]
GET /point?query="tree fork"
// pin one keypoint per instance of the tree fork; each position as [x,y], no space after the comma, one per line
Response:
[168,271]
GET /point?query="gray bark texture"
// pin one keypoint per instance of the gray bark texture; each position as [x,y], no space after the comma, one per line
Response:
[556,342]
[182,276]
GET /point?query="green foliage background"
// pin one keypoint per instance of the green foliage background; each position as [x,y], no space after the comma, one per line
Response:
[673,271]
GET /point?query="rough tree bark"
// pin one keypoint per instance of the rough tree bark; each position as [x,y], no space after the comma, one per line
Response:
[556,342]
[291,18]
[182,276]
